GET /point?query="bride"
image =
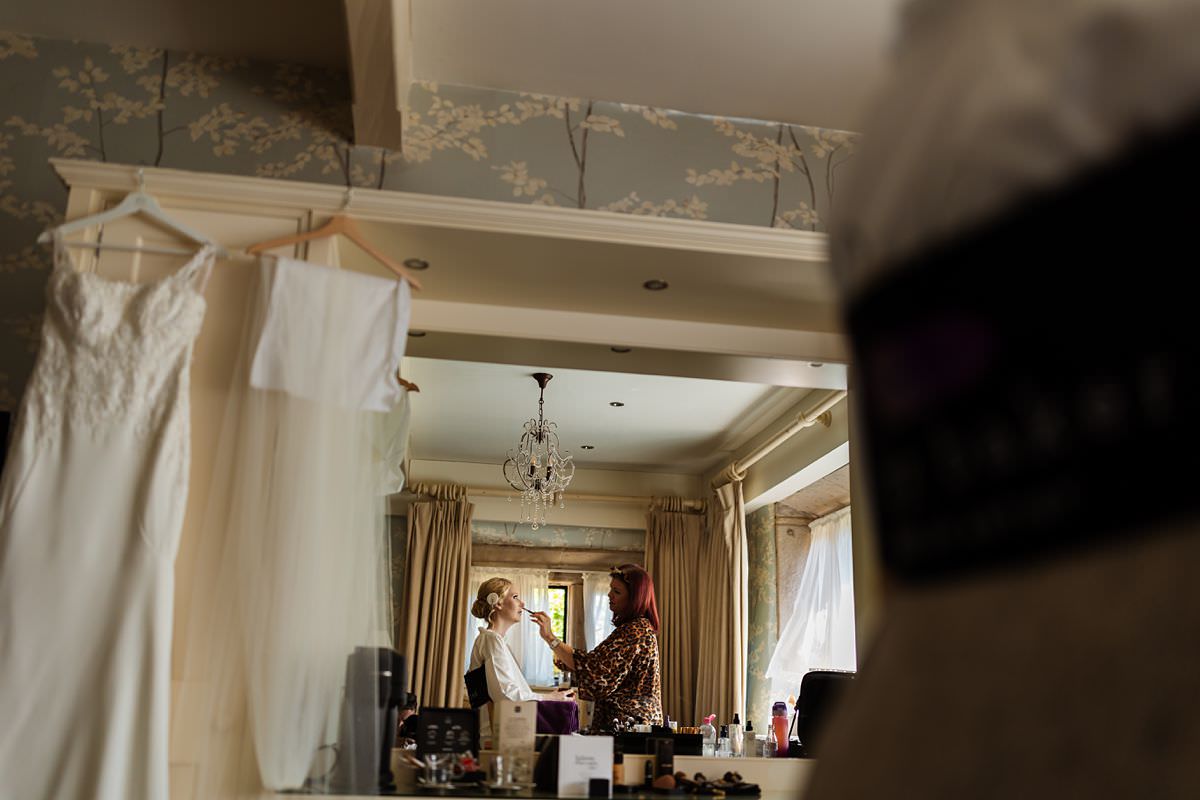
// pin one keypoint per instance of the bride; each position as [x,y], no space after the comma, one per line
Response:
[501,607]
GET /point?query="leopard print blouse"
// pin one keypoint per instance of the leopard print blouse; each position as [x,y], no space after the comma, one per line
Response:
[622,676]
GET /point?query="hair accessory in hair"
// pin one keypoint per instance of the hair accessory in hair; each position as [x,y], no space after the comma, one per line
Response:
[493,600]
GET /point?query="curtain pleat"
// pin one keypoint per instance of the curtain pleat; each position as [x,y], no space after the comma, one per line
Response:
[672,539]
[432,628]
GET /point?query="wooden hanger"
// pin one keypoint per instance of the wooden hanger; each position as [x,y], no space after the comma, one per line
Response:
[136,202]
[341,225]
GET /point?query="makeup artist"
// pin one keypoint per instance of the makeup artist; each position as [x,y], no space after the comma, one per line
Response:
[621,674]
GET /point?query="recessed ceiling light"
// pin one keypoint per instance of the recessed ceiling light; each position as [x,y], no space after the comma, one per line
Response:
[655,285]
[416,263]
[616,404]
[587,447]
[416,334]
[621,349]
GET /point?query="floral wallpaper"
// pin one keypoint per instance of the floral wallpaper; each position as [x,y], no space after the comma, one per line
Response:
[764,632]
[582,153]
[197,112]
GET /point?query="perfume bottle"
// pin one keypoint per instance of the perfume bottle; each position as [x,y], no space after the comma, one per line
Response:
[723,749]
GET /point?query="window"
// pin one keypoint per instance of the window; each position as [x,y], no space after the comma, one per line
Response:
[819,634]
[557,608]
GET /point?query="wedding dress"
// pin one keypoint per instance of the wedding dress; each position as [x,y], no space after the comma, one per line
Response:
[91,506]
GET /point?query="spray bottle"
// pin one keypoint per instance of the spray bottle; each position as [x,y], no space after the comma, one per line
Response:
[708,746]
[779,727]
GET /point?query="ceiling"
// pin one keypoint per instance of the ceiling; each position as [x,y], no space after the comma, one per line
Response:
[822,496]
[561,354]
[474,412]
[305,32]
[686,412]
[811,62]
[541,271]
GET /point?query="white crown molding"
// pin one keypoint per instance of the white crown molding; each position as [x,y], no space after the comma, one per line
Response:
[613,329]
[455,212]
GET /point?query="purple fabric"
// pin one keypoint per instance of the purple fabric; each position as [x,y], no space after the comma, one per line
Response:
[557,716]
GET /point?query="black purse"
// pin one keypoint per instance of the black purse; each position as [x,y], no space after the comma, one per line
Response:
[477,689]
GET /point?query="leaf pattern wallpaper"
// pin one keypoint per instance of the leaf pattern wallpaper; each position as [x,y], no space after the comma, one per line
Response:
[196,112]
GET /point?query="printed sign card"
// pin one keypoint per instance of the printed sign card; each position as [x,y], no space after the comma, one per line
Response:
[517,724]
[581,758]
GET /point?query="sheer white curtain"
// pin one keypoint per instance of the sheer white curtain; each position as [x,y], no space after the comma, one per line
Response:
[820,632]
[533,586]
[597,618]
[291,571]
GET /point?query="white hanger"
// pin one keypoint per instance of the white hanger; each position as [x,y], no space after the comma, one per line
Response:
[136,202]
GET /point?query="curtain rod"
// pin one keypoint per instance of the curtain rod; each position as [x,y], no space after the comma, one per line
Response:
[803,420]
[474,491]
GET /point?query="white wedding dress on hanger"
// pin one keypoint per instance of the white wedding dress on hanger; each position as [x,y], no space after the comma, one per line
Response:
[91,507]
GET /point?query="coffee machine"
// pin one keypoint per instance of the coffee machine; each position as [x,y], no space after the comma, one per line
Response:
[376,685]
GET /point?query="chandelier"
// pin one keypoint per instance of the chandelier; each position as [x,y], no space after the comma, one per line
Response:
[536,468]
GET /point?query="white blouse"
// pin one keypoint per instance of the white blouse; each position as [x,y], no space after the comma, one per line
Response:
[504,678]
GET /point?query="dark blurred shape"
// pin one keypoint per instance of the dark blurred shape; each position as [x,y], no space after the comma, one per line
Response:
[1014,249]
[1013,375]
[545,771]
[376,684]
[408,724]
[820,692]
[5,424]
[477,689]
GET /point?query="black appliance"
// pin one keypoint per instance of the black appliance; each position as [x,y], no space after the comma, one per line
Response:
[819,692]
[376,685]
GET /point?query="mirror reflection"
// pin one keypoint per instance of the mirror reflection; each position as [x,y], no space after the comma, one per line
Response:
[600,604]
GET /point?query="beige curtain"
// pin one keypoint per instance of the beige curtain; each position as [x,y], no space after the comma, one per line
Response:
[672,558]
[431,626]
[721,610]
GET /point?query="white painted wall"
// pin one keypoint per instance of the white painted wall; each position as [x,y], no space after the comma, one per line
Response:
[586,481]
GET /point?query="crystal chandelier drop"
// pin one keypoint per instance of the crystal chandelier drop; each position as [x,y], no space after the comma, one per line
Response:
[536,468]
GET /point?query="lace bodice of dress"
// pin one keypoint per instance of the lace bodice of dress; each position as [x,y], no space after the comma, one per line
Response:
[114,352]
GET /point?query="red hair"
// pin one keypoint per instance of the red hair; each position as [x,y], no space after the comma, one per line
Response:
[641,594]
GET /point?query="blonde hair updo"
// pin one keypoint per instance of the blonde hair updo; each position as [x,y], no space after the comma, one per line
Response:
[481,608]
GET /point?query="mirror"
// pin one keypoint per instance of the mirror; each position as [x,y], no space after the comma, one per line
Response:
[669,435]
[742,338]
